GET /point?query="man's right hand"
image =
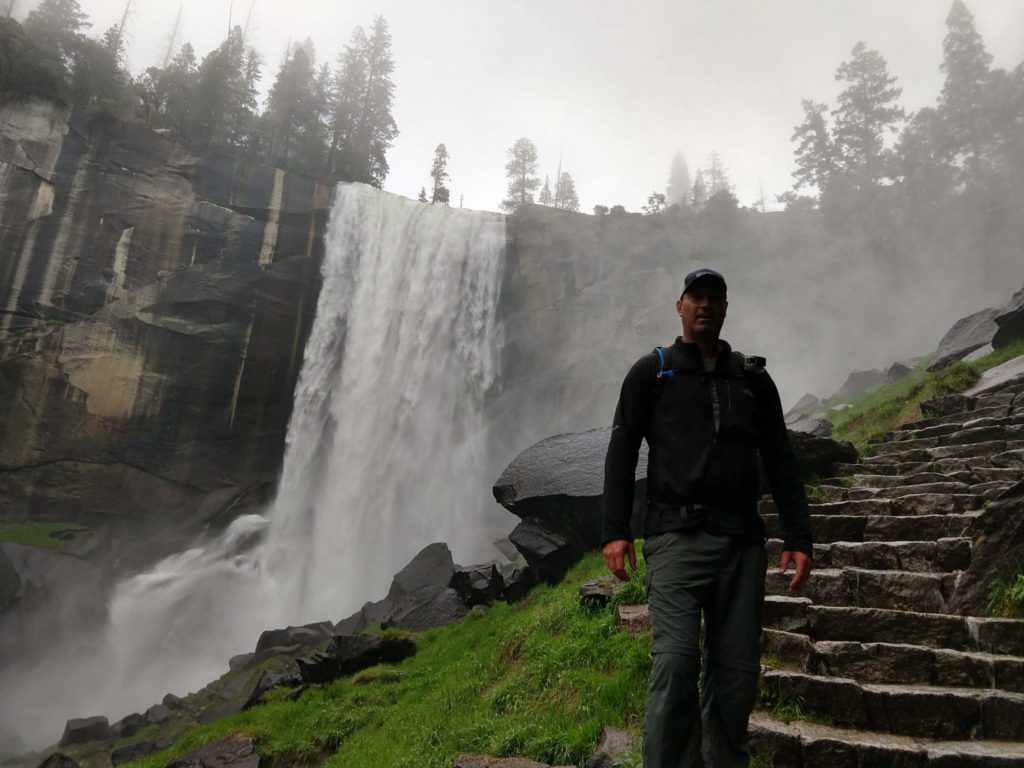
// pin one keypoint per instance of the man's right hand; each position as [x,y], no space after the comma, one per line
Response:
[615,556]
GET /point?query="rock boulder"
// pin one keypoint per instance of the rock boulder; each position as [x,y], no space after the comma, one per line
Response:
[85,729]
[349,654]
[431,567]
[426,608]
[559,481]
[1010,322]
[966,335]
[234,751]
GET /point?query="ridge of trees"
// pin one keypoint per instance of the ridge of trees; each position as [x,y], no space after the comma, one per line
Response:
[331,123]
[969,146]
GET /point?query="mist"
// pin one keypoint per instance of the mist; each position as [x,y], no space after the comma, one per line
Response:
[867,263]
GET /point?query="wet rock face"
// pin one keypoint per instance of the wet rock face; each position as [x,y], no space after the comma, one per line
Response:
[156,304]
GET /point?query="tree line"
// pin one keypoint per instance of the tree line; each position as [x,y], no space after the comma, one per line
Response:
[332,122]
[866,154]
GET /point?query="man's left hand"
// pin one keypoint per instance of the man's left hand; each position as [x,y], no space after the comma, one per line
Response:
[803,566]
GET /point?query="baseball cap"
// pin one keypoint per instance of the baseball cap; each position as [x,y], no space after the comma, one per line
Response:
[700,274]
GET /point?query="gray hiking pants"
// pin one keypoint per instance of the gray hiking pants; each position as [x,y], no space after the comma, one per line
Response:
[687,572]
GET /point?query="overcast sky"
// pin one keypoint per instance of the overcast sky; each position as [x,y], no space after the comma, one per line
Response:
[615,87]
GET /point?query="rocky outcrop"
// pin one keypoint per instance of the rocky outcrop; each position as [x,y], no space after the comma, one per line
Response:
[85,729]
[431,567]
[348,654]
[857,382]
[234,751]
[966,335]
[155,306]
[1010,321]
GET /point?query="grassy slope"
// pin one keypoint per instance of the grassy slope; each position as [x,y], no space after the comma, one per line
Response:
[889,406]
[536,679]
[38,534]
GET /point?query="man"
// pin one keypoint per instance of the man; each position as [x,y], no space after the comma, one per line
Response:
[705,412]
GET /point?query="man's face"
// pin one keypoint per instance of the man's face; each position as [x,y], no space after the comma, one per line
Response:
[702,309]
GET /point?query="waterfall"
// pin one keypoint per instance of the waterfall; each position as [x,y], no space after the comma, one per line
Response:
[387,442]
[386,452]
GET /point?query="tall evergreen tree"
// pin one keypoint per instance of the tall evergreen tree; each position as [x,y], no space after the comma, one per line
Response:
[962,104]
[348,95]
[288,104]
[716,175]
[56,26]
[565,193]
[864,117]
[439,175]
[815,154]
[374,130]
[699,193]
[545,197]
[679,183]
[218,94]
[521,170]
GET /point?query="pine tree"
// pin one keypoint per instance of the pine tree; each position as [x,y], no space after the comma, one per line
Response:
[679,184]
[439,175]
[865,115]
[699,193]
[815,154]
[545,197]
[217,94]
[56,27]
[717,176]
[423,195]
[962,103]
[348,96]
[289,104]
[565,193]
[521,170]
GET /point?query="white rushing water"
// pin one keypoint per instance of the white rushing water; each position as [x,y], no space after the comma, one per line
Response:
[386,452]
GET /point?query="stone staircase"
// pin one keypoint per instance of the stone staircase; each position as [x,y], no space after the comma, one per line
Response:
[874,662]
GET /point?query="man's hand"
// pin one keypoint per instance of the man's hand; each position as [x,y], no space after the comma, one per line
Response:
[800,560]
[615,556]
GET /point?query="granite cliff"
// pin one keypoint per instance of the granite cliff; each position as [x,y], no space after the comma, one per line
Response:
[155,306]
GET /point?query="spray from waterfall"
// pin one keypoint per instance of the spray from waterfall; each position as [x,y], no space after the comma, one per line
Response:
[386,452]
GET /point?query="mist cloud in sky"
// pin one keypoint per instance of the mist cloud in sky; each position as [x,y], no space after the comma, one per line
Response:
[614,88]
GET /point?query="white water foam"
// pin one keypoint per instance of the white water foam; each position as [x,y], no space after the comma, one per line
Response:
[386,452]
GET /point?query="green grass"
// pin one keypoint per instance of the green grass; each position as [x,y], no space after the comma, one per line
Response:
[887,407]
[38,534]
[1006,598]
[536,679]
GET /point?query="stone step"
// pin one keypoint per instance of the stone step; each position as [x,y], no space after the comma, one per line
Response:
[1001,637]
[832,528]
[909,504]
[884,453]
[915,433]
[814,745]
[948,466]
[944,555]
[957,419]
[867,588]
[895,663]
[1011,459]
[976,431]
[911,710]
[970,477]
[992,491]
[841,493]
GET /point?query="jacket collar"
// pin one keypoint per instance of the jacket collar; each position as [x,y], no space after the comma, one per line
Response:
[691,353]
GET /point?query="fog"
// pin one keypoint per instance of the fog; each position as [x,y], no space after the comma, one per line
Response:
[614,89]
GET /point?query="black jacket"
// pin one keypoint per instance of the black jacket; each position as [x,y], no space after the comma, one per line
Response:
[697,475]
